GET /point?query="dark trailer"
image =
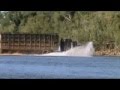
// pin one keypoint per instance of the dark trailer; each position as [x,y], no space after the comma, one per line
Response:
[28,43]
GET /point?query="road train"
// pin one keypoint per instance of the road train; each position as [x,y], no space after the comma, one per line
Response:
[33,43]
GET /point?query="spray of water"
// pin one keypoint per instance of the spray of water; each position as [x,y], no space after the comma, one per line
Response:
[84,50]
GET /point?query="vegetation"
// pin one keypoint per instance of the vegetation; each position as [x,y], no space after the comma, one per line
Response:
[98,26]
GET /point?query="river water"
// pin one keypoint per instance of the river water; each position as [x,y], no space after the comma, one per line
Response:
[59,67]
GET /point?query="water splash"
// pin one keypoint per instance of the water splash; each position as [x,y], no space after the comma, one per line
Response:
[84,50]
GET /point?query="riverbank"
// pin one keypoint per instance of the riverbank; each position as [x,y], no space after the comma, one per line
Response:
[13,54]
[108,52]
[112,52]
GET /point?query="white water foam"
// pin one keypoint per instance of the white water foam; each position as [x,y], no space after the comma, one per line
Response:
[84,50]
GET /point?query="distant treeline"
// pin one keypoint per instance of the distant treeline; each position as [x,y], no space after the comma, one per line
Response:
[101,27]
